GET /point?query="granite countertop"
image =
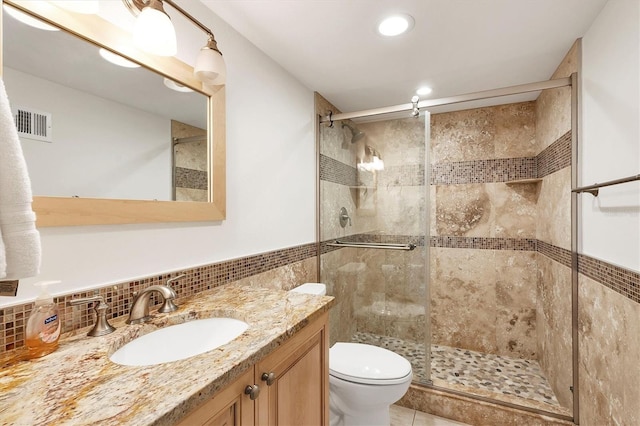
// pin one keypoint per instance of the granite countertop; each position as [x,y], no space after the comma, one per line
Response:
[77,384]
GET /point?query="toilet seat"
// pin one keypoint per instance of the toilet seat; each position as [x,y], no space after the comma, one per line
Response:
[367,364]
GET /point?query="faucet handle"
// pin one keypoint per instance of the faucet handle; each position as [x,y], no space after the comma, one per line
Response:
[168,305]
[102,326]
[174,279]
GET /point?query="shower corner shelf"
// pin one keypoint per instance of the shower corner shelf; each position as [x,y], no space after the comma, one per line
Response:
[532,180]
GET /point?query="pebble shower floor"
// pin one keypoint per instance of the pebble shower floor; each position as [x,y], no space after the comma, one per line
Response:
[515,377]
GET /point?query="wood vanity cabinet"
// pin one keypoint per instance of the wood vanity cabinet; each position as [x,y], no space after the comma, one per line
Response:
[293,382]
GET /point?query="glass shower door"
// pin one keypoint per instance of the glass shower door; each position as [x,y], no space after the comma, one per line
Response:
[373,194]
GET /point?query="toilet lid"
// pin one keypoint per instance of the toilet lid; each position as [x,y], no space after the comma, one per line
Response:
[360,363]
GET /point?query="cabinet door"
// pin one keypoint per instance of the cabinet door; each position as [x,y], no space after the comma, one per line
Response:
[297,391]
[230,407]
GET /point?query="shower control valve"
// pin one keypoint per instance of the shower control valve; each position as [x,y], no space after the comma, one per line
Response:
[344,217]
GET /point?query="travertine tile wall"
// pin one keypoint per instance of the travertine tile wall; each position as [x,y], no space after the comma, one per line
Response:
[483,292]
[609,344]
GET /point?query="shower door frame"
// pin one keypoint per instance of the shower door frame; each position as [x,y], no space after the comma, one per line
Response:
[574,82]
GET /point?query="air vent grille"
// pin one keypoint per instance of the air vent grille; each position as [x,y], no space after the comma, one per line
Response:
[33,124]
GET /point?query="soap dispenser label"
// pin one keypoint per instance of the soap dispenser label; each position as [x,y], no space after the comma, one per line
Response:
[51,319]
[51,329]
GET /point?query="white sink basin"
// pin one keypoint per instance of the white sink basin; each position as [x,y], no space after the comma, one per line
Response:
[179,341]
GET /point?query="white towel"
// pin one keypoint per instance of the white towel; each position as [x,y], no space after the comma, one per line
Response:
[22,251]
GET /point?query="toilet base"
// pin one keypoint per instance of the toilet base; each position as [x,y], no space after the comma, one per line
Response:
[381,417]
[355,404]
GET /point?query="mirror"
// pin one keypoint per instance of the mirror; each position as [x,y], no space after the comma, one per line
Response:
[121,144]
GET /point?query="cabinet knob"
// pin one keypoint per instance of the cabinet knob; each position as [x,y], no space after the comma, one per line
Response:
[270,378]
[253,391]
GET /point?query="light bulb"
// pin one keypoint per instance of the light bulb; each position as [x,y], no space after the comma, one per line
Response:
[154,33]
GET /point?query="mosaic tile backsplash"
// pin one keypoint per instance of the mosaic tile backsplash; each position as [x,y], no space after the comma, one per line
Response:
[120,295]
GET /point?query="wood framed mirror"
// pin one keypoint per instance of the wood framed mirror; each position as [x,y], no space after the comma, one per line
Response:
[71,210]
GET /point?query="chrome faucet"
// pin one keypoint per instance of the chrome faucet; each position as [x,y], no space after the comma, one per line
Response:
[140,306]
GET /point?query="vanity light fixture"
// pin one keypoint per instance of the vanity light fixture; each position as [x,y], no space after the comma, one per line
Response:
[395,25]
[116,59]
[26,19]
[153,31]
[210,67]
[156,29]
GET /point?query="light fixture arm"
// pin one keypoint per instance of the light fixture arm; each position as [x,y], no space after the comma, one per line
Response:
[135,6]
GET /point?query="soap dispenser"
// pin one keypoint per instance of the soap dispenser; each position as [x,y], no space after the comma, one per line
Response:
[43,326]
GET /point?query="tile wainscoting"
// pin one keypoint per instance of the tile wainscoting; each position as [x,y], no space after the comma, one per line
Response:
[284,269]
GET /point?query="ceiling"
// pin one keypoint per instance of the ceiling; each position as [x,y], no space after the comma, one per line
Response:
[456,46]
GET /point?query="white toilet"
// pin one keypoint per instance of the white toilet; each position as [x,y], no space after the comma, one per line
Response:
[364,380]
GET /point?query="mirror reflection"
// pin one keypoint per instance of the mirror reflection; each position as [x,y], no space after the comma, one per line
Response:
[93,129]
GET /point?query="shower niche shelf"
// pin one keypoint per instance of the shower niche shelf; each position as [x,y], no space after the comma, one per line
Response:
[517,181]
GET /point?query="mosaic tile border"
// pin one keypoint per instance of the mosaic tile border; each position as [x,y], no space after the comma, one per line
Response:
[190,178]
[335,171]
[618,279]
[119,295]
[558,254]
[484,171]
[553,158]
[481,243]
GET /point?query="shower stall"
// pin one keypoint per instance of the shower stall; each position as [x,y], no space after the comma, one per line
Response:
[438,239]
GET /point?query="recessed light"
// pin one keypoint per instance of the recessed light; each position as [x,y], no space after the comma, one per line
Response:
[395,25]
[117,59]
[424,90]
[28,19]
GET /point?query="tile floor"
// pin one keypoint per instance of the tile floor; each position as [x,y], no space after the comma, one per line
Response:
[401,416]
[501,375]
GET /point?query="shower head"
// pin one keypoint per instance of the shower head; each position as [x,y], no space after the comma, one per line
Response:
[356,134]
